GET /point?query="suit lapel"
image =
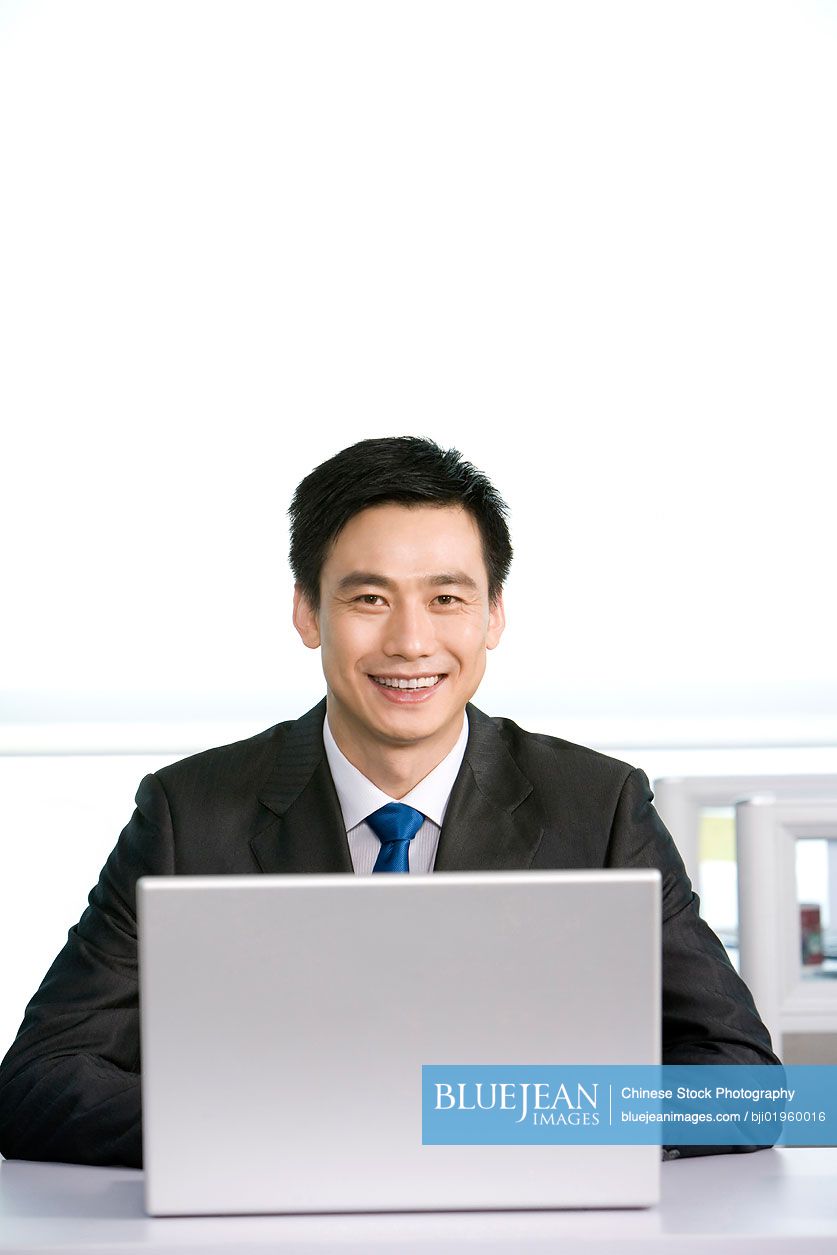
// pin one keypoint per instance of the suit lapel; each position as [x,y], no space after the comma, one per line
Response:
[486,826]
[305,830]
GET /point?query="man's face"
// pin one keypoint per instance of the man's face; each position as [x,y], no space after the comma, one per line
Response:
[403,597]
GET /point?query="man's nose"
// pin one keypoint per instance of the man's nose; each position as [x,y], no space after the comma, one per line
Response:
[410,632]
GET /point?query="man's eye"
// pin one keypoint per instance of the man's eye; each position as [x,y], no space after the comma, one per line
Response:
[369,599]
[447,599]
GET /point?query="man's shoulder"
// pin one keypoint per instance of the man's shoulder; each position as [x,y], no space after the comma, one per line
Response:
[544,754]
[228,756]
[248,761]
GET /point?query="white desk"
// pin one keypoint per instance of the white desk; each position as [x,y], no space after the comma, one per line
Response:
[774,1201]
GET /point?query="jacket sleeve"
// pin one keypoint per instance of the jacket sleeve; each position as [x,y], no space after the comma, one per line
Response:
[70,1084]
[708,1012]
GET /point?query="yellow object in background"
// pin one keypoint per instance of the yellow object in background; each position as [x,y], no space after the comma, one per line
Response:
[716,838]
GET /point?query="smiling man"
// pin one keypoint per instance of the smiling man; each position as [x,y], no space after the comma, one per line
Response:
[399,551]
[403,618]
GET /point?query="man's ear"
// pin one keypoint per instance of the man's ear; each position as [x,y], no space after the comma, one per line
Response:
[496,622]
[306,619]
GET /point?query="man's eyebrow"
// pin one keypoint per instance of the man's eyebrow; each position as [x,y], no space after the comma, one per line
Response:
[453,577]
[361,579]
[357,579]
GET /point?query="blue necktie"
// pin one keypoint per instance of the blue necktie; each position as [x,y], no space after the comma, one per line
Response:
[394,825]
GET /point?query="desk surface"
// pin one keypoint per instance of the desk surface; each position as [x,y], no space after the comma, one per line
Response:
[779,1200]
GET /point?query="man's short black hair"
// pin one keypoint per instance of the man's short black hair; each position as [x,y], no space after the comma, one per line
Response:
[404,470]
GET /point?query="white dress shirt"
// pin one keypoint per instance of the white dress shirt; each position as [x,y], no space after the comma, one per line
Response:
[359,797]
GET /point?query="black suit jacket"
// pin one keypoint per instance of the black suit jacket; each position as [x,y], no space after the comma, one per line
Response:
[70,1085]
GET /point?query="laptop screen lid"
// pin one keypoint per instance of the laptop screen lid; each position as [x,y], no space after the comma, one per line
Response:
[285,1021]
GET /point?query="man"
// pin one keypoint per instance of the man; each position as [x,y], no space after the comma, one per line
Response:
[399,551]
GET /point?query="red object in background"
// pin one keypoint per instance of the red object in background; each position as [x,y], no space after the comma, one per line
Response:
[809,918]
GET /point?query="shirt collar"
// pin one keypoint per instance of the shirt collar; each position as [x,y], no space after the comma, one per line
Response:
[359,797]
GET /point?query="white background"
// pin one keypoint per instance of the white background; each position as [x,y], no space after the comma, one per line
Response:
[590,244]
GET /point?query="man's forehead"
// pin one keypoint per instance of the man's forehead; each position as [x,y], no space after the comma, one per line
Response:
[393,524]
[422,542]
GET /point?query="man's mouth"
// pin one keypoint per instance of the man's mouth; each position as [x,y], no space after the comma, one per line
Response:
[412,682]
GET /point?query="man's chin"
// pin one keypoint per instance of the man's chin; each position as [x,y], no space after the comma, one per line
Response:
[405,731]
[411,725]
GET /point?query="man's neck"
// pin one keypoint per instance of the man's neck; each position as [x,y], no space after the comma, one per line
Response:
[394,768]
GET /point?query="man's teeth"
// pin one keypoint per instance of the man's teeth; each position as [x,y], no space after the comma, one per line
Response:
[423,682]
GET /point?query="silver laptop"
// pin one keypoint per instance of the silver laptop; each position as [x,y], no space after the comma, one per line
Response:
[286,1020]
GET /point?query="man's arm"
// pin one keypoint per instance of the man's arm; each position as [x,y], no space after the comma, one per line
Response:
[70,1085]
[708,1012]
